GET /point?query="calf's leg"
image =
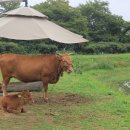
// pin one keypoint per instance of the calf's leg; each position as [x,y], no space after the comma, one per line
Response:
[13,110]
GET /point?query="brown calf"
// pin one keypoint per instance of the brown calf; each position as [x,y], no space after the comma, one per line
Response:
[14,103]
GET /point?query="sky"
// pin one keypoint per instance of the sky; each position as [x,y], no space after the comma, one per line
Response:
[118,7]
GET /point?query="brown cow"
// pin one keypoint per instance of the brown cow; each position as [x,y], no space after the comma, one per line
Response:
[31,68]
[14,103]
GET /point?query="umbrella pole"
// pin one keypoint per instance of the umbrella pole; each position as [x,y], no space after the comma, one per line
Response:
[26,3]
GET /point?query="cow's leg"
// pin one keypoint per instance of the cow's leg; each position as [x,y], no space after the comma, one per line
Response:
[45,95]
[4,85]
[23,110]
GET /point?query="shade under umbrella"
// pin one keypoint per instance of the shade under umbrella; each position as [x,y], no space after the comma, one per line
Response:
[28,24]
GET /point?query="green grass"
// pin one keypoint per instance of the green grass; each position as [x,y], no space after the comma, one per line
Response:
[98,78]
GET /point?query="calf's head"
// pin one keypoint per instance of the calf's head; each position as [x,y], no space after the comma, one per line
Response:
[66,62]
[26,95]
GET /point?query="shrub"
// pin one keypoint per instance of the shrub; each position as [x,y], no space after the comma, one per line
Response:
[36,47]
[47,49]
[10,47]
[104,47]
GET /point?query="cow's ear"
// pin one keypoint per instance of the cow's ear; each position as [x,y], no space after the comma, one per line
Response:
[59,57]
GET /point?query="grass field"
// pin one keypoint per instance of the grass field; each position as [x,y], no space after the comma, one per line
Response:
[92,98]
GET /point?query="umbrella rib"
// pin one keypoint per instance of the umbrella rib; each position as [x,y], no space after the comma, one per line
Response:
[40,27]
[5,23]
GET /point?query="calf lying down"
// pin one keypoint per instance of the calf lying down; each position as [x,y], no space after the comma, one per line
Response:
[14,103]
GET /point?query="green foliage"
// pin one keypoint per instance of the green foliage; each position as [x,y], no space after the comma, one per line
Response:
[7,6]
[47,49]
[30,47]
[36,47]
[10,47]
[102,25]
[125,36]
[103,47]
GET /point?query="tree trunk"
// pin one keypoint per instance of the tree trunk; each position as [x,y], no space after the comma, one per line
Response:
[20,86]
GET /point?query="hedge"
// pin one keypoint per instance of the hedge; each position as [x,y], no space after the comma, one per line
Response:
[103,47]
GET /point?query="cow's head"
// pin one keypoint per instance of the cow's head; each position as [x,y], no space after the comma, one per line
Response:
[66,62]
[26,95]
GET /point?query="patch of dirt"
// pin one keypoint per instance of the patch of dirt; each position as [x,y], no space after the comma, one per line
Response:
[63,98]
[5,115]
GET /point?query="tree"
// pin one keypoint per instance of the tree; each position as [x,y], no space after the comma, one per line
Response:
[102,25]
[7,6]
[125,36]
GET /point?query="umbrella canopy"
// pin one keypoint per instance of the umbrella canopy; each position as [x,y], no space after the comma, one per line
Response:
[26,23]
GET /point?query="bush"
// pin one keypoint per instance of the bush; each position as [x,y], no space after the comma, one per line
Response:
[104,47]
[36,47]
[47,49]
[10,47]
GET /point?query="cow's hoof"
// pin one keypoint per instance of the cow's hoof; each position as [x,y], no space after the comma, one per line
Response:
[23,110]
[46,100]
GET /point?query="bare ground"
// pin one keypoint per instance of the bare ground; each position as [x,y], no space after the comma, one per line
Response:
[63,99]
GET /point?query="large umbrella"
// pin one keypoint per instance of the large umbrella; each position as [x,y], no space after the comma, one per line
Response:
[26,23]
